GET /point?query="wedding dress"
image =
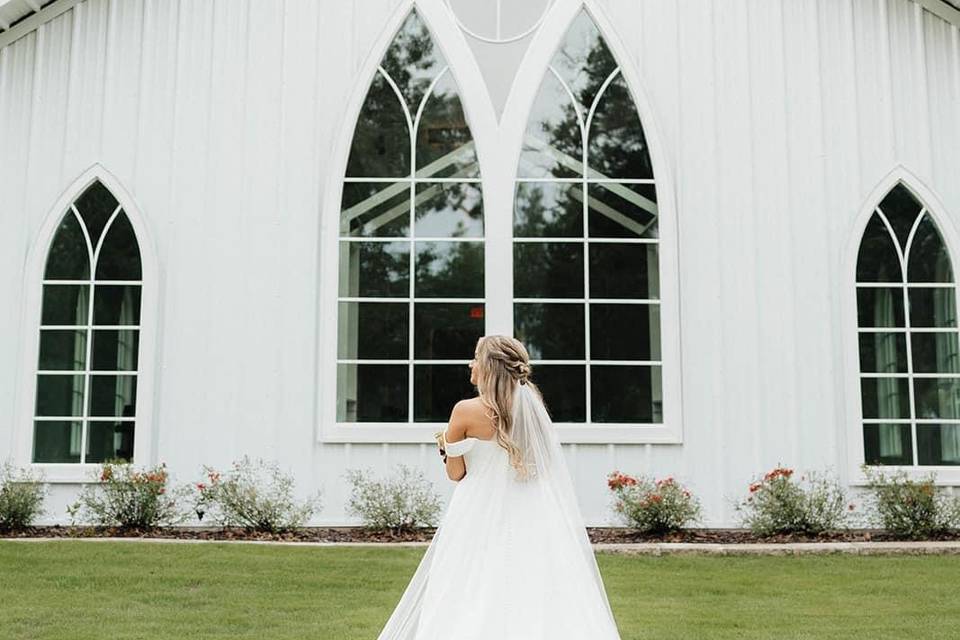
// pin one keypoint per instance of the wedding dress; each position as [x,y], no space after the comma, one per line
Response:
[511,559]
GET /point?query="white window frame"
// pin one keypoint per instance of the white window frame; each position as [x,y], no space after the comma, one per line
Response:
[32,300]
[498,144]
[945,475]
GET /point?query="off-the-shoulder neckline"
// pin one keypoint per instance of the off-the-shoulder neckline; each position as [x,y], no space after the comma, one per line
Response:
[473,438]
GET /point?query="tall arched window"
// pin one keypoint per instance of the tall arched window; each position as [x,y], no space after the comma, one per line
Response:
[907,329]
[411,271]
[86,393]
[586,242]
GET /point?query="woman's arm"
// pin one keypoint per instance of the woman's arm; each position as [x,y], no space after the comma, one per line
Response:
[457,431]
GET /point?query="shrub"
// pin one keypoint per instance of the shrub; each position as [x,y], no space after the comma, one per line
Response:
[128,498]
[908,508]
[255,495]
[21,497]
[652,506]
[401,503]
[779,504]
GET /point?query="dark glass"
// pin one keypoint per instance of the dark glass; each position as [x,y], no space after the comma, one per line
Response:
[935,352]
[883,352]
[938,444]
[932,307]
[623,211]
[929,260]
[68,258]
[937,397]
[624,270]
[96,205]
[116,304]
[449,210]
[564,390]
[114,396]
[548,269]
[372,392]
[449,269]
[65,304]
[552,144]
[413,61]
[617,147]
[59,395]
[443,331]
[551,331]
[877,260]
[624,331]
[375,269]
[52,441]
[548,209]
[901,209]
[887,444]
[444,145]
[109,440]
[63,350]
[373,330]
[879,307]
[626,394]
[116,349]
[119,257]
[885,397]
[436,388]
[381,139]
[375,209]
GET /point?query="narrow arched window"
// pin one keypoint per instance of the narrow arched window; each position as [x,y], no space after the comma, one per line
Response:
[586,241]
[907,327]
[86,391]
[411,272]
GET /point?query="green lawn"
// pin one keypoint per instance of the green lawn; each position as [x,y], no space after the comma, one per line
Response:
[97,590]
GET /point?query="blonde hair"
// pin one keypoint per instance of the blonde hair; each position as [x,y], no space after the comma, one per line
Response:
[502,362]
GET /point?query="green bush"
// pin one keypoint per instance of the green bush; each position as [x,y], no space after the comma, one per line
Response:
[124,497]
[21,497]
[910,509]
[401,503]
[652,506]
[779,504]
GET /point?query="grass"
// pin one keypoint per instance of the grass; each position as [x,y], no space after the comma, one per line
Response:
[93,590]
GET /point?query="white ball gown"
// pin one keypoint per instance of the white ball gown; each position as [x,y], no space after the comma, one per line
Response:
[511,559]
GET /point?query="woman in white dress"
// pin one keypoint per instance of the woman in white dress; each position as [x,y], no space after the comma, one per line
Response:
[511,559]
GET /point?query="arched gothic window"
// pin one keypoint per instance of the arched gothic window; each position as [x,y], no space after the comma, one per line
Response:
[411,236]
[89,335]
[586,241]
[907,330]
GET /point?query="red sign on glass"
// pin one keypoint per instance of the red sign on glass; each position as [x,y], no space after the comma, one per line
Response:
[476,312]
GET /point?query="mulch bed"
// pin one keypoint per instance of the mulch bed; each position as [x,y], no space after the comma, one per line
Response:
[356,534]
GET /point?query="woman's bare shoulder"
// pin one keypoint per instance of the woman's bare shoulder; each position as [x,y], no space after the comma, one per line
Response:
[472,415]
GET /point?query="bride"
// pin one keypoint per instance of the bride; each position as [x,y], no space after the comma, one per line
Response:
[511,559]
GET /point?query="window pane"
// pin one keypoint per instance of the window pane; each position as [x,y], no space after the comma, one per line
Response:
[626,394]
[113,395]
[446,331]
[449,270]
[68,258]
[444,144]
[617,146]
[883,352]
[96,205]
[878,260]
[887,444]
[624,331]
[548,270]
[375,269]
[116,304]
[65,304]
[373,330]
[937,397]
[552,145]
[901,209]
[624,271]
[381,140]
[553,331]
[929,260]
[932,307]
[413,61]
[564,390]
[57,441]
[108,440]
[623,211]
[59,395]
[879,307]
[63,350]
[437,387]
[885,397]
[372,392]
[548,209]
[449,210]
[583,61]
[119,257]
[935,352]
[375,209]
[116,349]
[938,444]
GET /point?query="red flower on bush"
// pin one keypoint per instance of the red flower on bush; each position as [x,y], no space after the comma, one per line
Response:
[617,480]
[778,473]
